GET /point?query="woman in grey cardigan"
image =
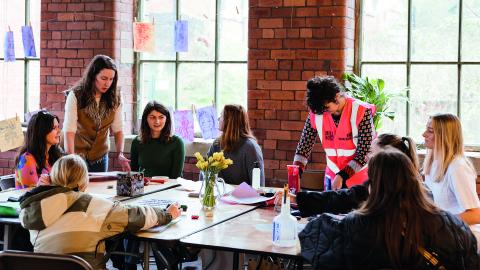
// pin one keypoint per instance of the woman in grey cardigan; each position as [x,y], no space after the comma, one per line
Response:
[238,144]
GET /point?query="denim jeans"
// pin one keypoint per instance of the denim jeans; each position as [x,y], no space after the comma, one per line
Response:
[100,165]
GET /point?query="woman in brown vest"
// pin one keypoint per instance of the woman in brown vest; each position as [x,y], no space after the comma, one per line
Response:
[93,107]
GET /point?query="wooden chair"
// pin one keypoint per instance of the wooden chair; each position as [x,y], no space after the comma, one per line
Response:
[21,260]
[312,180]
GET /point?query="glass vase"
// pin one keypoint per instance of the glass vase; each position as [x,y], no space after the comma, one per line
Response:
[213,187]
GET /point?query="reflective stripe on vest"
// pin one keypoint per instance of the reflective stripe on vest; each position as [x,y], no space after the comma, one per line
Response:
[346,152]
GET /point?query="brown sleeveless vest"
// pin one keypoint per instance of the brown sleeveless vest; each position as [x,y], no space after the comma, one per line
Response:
[93,125]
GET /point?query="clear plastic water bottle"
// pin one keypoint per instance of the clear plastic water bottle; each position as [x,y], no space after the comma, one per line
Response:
[284,233]
[256,175]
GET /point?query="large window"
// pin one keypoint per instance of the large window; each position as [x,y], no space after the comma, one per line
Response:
[432,47]
[19,80]
[214,69]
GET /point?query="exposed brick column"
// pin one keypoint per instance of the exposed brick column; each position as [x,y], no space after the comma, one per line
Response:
[72,32]
[290,41]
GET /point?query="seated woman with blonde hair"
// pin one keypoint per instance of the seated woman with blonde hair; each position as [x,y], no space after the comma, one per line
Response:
[63,219]
[448,172]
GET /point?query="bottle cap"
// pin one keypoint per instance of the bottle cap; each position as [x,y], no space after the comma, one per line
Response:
[256,164]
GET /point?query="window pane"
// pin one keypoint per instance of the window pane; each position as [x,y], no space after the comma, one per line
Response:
[471,30]
[33,85]
[232,84]
[11,77]
[195,85]
[164,14]
[157,82]
[384,30]
[233,30]
[13,15]
[435,30]
[433,90]
[35,20]
[395,81]
[201,29]
[470,99]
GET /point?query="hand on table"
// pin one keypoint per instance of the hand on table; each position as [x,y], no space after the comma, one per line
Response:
[337,182]
[174,210]
[124,162]
[279,197]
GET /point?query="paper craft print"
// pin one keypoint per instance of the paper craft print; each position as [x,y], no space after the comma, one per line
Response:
[28,42]
[181,36]
[143,37]
[11,135]
[207,118]
[184,124]
[9,49]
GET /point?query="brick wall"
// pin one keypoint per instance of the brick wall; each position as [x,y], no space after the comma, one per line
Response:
[72,32]
[290,41]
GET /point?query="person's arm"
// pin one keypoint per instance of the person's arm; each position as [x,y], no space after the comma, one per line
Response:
[366,132]
[305,145]
[119,144]
[340,201]
[471,216]
[178,159]
[463,184]
[26,174]
[134,155]
[70,123]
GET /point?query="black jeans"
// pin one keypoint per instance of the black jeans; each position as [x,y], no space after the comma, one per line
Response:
[100,165]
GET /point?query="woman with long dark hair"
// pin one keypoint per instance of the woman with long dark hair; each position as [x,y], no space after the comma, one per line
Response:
[238,144]
[93,107]
[39,151]
[156,150]
[396,227]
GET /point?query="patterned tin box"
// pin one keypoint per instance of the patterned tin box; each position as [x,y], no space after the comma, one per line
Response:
[130,184]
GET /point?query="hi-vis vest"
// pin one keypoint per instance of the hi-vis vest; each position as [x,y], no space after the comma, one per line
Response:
[340,143]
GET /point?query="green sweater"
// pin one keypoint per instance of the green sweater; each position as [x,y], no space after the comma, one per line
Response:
[158,159]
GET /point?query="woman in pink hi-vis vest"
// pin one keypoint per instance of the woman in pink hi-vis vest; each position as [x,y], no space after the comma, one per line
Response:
[346,130]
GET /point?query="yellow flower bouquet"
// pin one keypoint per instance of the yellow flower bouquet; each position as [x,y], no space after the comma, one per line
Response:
[210,167]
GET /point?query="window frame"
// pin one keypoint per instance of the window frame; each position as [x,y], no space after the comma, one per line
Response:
[408,63]
[138,61]
[26,63]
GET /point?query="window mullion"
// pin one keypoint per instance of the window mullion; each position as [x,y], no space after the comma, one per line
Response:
[215,72]
[459,64]
[408,66]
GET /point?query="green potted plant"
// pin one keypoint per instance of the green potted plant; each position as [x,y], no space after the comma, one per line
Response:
[372,91]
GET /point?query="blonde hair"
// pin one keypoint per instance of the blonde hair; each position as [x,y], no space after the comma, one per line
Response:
[447,131]
[70,171]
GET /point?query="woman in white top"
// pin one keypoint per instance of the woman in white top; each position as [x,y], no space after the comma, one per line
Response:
[448,172]
[93,107]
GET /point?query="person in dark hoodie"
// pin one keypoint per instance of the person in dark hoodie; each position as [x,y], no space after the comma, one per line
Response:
[63,219]
[397,227]
[342,201]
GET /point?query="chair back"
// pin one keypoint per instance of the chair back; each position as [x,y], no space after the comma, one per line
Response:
[312,180]
[7,181]
[21,260]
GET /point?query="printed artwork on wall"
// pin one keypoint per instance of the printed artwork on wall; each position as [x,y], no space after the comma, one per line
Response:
[28,42]
[184,124]
[8,47]
[181,36]
[143,37]
[208,121]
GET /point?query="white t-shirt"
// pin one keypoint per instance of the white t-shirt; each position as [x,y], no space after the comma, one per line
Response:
[456,192]
[71,116]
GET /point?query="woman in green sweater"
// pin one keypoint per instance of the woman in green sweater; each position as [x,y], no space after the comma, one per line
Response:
[156,150]
[158,153]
